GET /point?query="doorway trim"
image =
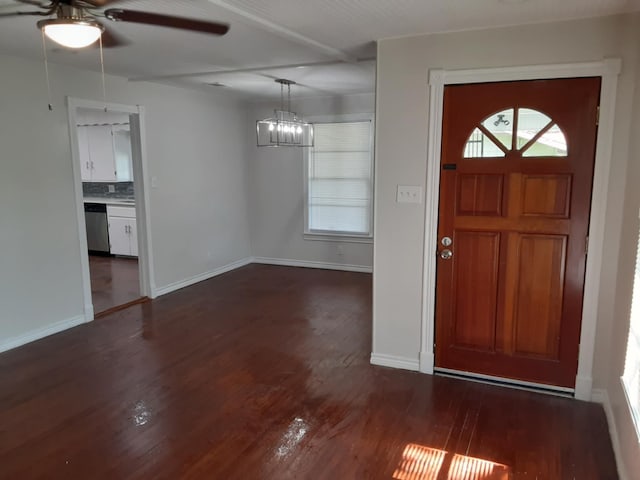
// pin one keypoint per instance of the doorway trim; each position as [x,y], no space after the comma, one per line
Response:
[608,70]
[140,168]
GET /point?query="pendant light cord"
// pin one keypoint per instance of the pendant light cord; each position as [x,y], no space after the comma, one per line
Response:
[46,71]
[104,87]
[282,96]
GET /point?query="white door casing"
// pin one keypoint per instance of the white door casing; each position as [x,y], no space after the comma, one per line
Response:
[143,214]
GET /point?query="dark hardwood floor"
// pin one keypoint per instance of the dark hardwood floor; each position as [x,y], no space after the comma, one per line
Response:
[114,281]
[263,373]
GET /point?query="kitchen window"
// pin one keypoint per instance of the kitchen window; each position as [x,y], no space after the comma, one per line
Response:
[339,181]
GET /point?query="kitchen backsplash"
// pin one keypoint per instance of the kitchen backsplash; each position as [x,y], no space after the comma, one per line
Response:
[101,189]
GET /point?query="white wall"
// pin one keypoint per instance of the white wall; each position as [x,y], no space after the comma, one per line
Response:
[199,211]
[402,124]
[277,191]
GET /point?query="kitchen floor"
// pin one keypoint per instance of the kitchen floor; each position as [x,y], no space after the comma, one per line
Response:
[114,281]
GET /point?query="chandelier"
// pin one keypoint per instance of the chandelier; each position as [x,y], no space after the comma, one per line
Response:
[284,129]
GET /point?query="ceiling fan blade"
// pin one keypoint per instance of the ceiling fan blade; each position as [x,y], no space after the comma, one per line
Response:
[19,14]
[35,3]
[110,39]
[100,3]
[134,16]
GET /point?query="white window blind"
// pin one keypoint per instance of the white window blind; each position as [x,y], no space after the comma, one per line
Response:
[631,376]
[340,179]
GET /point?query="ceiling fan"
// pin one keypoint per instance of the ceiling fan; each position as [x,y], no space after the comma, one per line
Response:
[75,24]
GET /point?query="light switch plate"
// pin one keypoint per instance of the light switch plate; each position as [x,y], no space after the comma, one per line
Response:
[409,194]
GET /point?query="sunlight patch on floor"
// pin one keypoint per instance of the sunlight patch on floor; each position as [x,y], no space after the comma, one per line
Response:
[419,463]
[424,463]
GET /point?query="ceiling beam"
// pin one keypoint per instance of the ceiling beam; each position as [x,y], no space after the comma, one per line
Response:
[264,68]
[285,32]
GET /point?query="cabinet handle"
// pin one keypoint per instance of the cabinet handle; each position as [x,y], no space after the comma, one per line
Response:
[92,167]
[87,165]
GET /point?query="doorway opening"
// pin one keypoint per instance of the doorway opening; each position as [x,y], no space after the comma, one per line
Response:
[111,203]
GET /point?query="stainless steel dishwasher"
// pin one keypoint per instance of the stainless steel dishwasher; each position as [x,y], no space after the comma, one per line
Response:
[95,217]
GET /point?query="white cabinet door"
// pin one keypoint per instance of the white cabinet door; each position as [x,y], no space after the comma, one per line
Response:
[101,150]
[119,235]
[122,153]
[85,156]
[133,237]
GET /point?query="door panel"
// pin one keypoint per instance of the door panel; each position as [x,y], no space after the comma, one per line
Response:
[538,299]
[479,195]
[515,192]
[546,195]
[476,287]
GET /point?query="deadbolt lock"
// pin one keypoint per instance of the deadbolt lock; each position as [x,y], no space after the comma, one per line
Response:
[446,241]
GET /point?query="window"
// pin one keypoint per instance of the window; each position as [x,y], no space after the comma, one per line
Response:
[534,135]
[340,180]
[631,376]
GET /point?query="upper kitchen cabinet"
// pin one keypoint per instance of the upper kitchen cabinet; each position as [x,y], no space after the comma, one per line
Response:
[122,153]
[104,145]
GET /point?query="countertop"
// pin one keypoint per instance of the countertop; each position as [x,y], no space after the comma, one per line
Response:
[110,201]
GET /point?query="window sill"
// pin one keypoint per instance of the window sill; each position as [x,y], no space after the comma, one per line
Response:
[337,237]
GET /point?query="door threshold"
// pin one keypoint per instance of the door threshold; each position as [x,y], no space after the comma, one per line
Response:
[506,382]
[117,308]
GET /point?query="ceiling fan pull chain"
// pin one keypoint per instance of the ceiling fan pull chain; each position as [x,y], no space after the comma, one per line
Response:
[46,72]
[104,87]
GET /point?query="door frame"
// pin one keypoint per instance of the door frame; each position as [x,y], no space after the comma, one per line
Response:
[608,70]
[140,169]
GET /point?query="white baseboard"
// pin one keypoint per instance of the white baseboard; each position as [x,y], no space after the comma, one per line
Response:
[583,388]
[427,362]
[172,287]
[395,362]
[602,397]
[308,264]
[88,312]
[37,334]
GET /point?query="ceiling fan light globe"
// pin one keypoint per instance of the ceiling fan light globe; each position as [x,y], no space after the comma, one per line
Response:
[72,35]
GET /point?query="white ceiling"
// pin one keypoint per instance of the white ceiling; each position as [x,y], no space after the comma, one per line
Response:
[328,46]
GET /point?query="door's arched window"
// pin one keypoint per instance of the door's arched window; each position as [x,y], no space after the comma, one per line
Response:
[524,130]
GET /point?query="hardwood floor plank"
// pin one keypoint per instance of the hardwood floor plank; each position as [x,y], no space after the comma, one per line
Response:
[114,281]
[264,373]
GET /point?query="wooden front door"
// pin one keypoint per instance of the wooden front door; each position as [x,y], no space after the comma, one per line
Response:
[515,193]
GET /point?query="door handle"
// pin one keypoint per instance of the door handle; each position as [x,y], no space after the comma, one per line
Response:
[446,254]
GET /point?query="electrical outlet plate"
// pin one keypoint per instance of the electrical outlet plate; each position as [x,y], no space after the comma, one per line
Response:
[112,188]
[409,194]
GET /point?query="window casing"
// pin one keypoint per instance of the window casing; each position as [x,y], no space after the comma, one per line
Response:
[339,181]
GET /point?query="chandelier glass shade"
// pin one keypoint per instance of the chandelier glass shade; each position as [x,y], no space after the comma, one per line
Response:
[284,129]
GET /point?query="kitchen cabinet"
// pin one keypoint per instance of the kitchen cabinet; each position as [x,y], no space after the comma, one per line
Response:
[105,153]
[123,232]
